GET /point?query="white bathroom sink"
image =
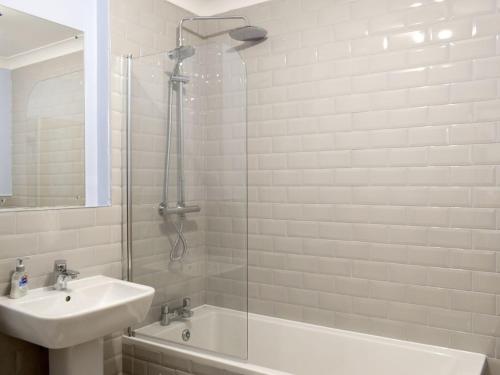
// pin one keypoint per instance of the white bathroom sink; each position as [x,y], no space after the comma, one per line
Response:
[91,308]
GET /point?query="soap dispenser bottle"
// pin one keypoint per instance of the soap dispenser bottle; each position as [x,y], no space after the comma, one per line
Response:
[19,282]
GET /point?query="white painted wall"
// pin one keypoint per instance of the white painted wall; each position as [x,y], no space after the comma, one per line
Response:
[211,7]
[5,133]
[90,16]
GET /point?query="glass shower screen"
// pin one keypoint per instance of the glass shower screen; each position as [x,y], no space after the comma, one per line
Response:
[187,134]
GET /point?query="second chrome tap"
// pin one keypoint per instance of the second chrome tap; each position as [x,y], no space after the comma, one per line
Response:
[170,314]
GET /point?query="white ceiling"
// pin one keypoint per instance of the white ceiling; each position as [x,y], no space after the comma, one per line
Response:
[21,32]
[211,7]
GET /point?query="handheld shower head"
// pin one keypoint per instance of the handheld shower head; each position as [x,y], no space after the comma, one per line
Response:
[248,33]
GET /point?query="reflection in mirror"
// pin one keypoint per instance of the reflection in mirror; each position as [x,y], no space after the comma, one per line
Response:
[42,113]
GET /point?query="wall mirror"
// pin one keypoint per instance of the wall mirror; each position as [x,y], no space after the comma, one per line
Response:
[50,136]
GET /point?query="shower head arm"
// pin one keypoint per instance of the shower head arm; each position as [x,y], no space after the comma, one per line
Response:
[205,18]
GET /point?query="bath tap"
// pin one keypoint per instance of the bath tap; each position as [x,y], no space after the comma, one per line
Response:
[63,274]
[169,314]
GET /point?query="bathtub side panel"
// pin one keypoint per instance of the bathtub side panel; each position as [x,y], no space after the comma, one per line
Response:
[139,360]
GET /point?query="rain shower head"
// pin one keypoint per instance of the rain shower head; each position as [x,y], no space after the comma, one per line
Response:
[181,53]
[248,33]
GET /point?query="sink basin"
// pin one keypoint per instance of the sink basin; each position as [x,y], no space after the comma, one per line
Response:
[72,322]
[90,308]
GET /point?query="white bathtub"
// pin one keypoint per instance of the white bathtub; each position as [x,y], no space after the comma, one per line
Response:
[277,346]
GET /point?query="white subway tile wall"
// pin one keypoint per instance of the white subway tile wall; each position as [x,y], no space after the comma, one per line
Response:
[373,135]
[374,144]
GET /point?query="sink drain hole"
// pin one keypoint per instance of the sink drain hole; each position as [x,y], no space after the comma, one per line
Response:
[68,298]
[186,335]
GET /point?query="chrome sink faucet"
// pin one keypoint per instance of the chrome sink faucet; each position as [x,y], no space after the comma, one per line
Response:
[63,275]
[170,314]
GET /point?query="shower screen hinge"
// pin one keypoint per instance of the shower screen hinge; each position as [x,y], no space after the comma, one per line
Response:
[130,332]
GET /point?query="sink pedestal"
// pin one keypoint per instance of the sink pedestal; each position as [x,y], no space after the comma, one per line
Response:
[83,359]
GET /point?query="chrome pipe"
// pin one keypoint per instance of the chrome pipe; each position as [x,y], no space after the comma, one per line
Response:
[180,145]
[168,150]
[176,83]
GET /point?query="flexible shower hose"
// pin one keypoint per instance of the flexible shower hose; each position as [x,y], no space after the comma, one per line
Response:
[180,241]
